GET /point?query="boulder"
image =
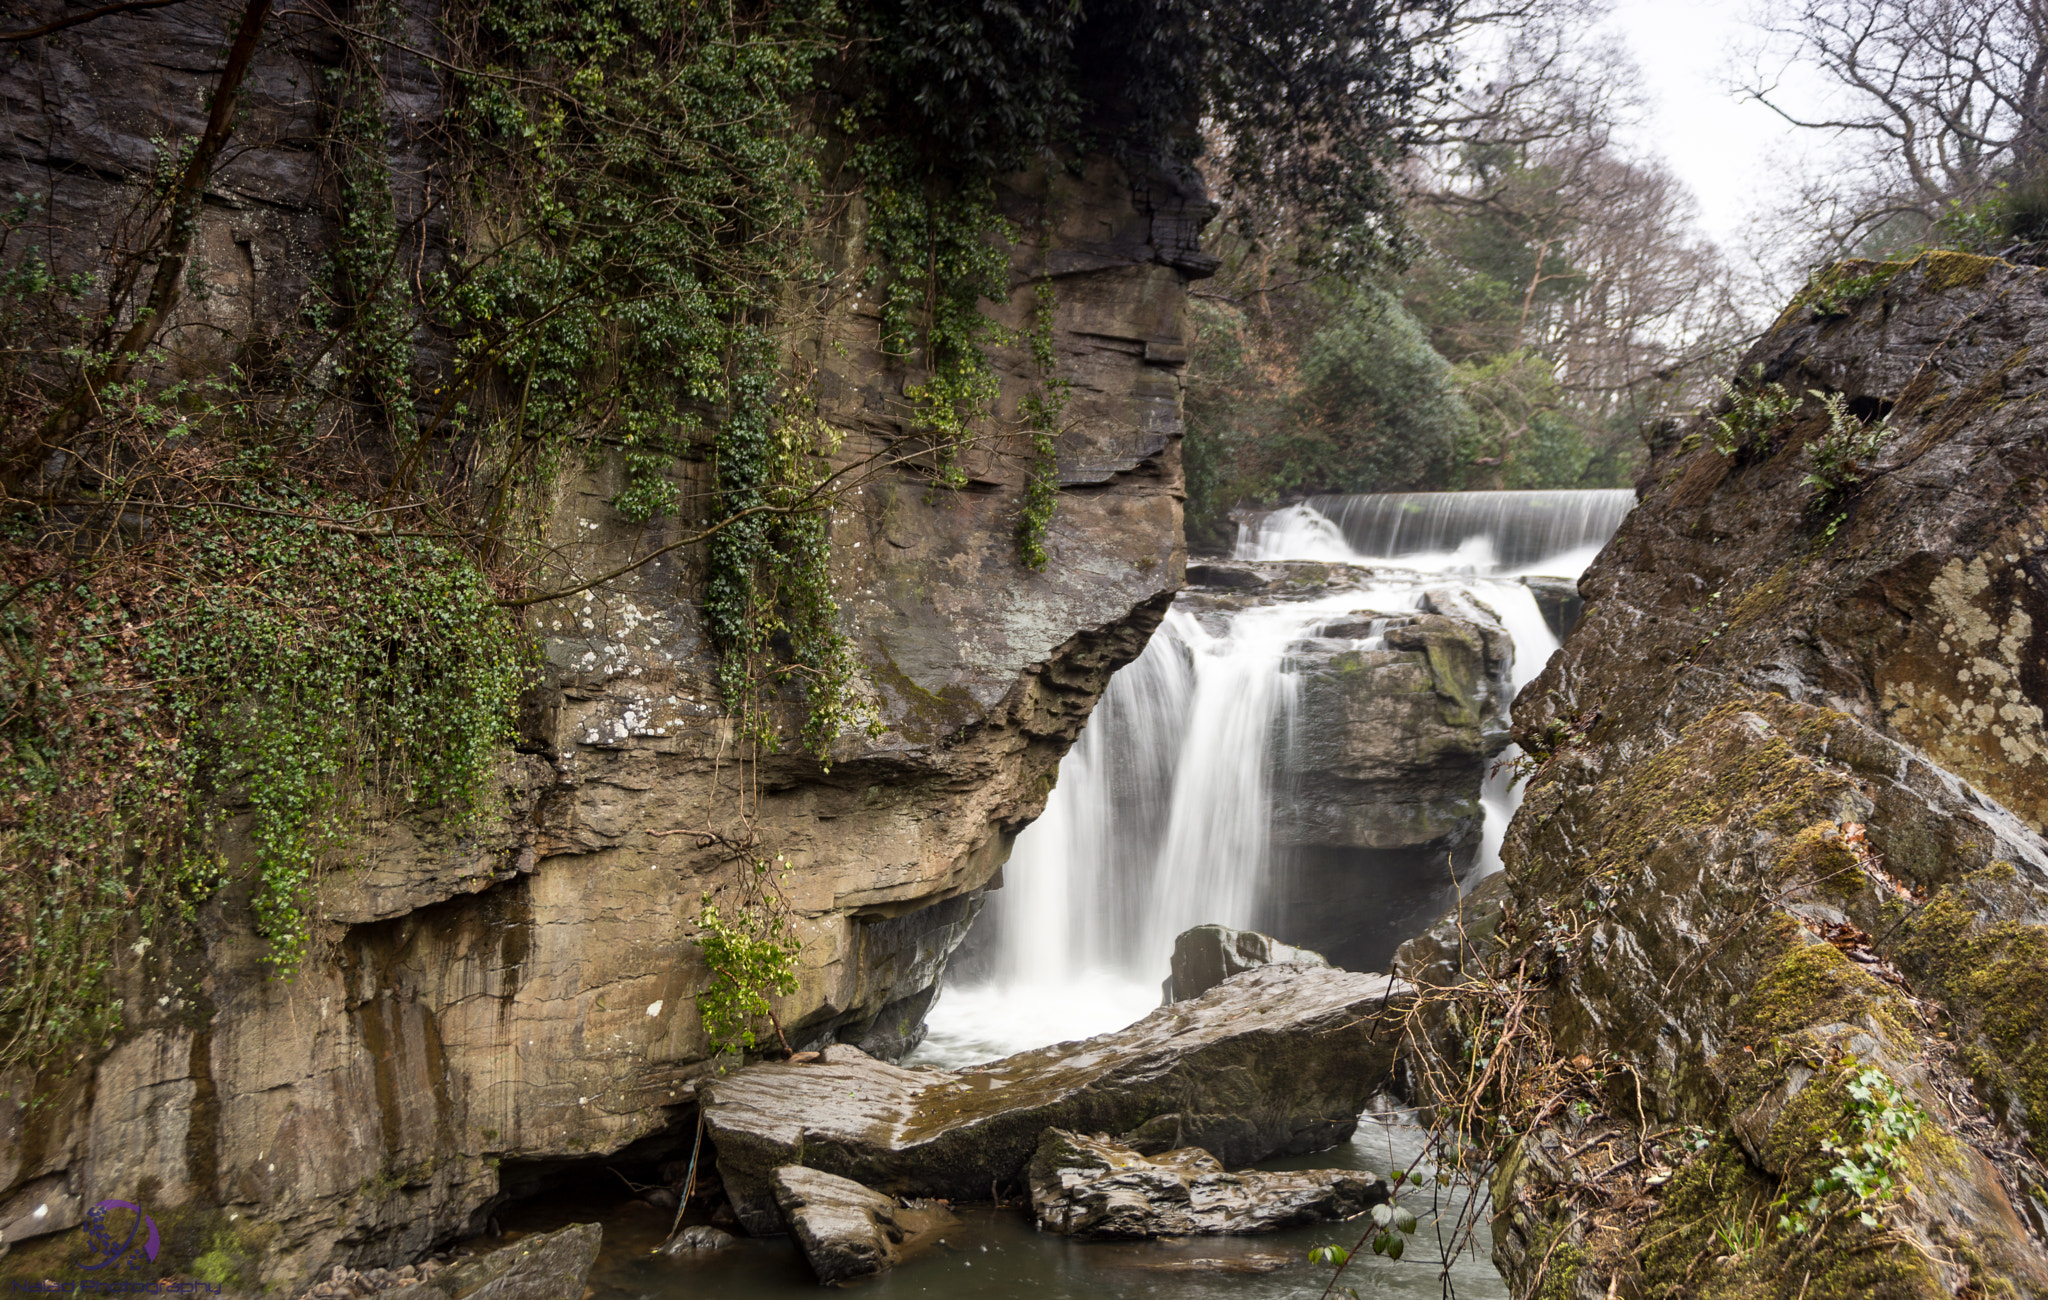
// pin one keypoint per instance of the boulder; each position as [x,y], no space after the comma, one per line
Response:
[1781,860]
[1093,1187]
[545,1266]
[1209,954]
[1278,1060]
[846,1231]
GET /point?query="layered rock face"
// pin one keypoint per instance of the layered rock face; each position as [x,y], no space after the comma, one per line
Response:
[1096,1189]
[524,991]
[1787,831]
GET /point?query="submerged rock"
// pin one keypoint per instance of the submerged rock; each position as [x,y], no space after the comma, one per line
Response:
[1209,954]
[1278,1060]
[696,1238]
[1096,1188]
[846,1231]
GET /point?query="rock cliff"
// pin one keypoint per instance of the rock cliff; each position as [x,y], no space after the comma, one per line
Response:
[1780,877]
[488,1003]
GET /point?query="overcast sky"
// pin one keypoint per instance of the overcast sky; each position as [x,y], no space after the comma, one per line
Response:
[1737,156]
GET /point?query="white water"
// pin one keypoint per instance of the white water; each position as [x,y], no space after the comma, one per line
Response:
[1161,818]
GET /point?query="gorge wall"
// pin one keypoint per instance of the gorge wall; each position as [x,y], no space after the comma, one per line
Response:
[486,1001]
[1785,830]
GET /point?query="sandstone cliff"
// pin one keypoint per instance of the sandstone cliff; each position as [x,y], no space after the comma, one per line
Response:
[1786,831]
[489,1002]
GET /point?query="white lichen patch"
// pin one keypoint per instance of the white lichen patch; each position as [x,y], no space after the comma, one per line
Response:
[1986,714]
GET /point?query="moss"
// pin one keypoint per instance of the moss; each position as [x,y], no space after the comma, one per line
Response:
[1948,269]
[1711,1237]
[1723,770]
[1833,291]
[1814,984]
[1561,1275]
[1993,981]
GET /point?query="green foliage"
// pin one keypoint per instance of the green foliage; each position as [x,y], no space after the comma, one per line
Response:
[941,252]
[1522,433]
[1870,1168]
[1042,410]
[642,212]
[752,954]
[1378,409]
[302,674]
[1753,414]
[1841,456]
[1304,97]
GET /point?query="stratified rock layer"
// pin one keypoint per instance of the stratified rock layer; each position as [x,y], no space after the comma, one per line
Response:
[493,1000]
[1787,828]
[545,1266]
[1278,1060]
[1091,1187]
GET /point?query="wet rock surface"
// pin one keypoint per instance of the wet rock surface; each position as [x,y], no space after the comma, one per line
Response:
[523,989]
[1786,822]
[544,1266]
[1278,1060]
[1096,1188]
[1209,954]
[846,1231]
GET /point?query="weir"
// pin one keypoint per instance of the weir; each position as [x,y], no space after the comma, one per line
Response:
[1165,811]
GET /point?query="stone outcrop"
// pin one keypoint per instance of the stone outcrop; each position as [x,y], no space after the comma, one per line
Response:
[1786,827]
[1093,1188]
[846,1231]
[523,991]
[545,1266]
[1210,954]
[1277,1060]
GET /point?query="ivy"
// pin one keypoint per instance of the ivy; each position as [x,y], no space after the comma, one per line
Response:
[1870,1163]
[1042,411]
[302,676]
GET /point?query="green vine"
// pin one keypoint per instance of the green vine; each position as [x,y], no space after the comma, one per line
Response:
[941,248]
[1870,1164]
[1042,410]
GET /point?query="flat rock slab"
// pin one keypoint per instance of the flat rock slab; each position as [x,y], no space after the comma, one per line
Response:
[1092,1187]
[1278,1060]
[545,1266]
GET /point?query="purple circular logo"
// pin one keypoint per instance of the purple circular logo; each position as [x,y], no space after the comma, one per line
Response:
[107,1240]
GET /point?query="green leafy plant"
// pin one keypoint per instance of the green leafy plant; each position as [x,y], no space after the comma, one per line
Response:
[1841,456]
[752,954]
[1042,409]
[1753,413]
[1870,1163]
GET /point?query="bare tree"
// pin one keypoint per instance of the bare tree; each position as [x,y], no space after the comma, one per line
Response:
[1941,101]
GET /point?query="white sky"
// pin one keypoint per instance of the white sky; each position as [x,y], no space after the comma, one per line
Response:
[1736,156]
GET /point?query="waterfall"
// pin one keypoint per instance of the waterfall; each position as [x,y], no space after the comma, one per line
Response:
[1162,814]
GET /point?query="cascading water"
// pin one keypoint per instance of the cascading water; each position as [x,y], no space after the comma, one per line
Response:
[1162,816]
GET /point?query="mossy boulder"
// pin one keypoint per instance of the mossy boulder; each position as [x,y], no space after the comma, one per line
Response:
[1786,829]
